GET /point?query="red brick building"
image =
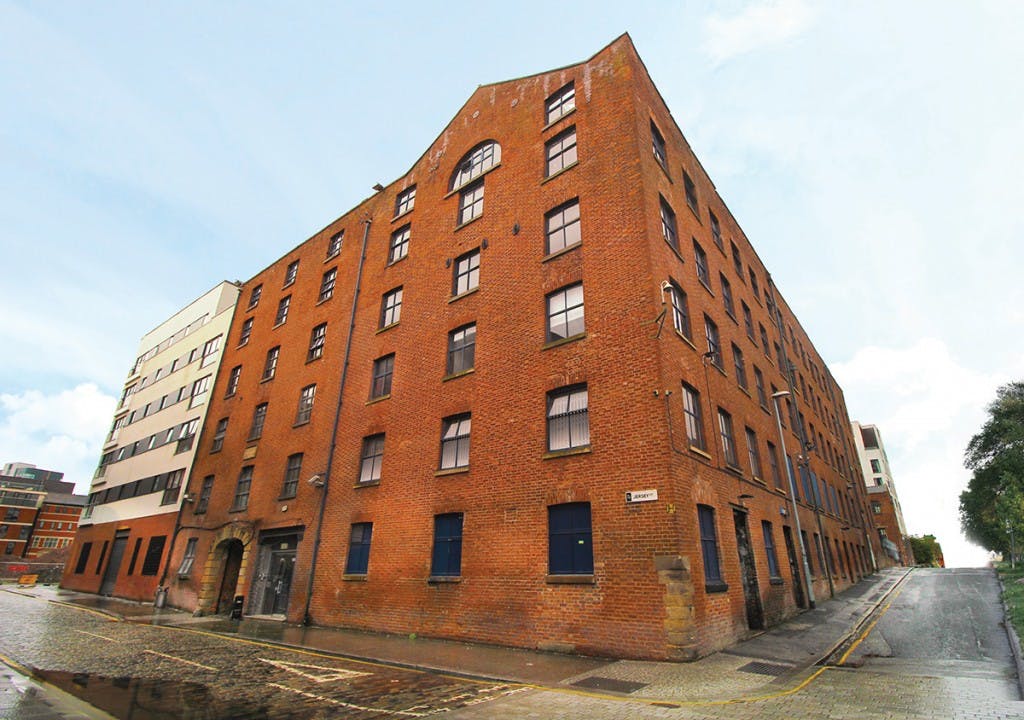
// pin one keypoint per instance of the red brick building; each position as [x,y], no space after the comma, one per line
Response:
[522,395]
[55,524]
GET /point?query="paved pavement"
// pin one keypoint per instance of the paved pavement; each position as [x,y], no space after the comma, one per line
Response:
[301,669]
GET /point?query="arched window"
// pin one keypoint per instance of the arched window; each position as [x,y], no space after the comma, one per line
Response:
[475,163]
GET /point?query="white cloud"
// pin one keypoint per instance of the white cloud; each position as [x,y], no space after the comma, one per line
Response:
[759,25]
[927,406]
[62,431]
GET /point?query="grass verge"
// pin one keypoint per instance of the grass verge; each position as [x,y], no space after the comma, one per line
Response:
[1013,593]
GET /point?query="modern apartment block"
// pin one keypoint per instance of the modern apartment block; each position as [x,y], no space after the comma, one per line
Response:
[39,511]
[136,493]
[886,512]
[523,395]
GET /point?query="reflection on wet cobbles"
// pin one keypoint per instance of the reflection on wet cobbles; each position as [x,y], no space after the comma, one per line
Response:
[144,672]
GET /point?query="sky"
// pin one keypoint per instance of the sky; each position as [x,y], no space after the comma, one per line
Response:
[871,151]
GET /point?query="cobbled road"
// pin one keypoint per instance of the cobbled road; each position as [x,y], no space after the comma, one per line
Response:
[937,651]
[144,671]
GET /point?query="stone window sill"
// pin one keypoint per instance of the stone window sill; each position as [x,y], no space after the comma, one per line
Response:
[570,579]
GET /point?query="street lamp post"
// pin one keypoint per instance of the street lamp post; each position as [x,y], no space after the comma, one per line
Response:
[792,498]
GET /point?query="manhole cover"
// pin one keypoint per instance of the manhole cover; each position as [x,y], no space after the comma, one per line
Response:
[595,682]
[764,668]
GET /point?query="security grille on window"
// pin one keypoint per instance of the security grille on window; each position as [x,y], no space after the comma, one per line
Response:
[292,471]
[316,342]
[405,201]
[701,264]
[461,349]
[570,547]
[446,560]
[565,313]
[241,499]
[259,416]
[568,419]
[233,377]
[270,366]
[358,560]
[467,273]
[246,332]
[471,203]
[189,558]
[383,369]
[282,310]
[372,459]
[291,273]
[154,551]
[334,244]
[306,398]
[563,227]
[709,545]
[668,225]
[658,146]
[693,413]
[714,348]
[219,434]
[680,310]
[327,285]
[455,442]
[728,440]
[391,308]
[560,103]
[561,151]
[399,244]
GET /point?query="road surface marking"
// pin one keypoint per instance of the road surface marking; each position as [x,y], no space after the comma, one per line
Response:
[329,673]
[332,701]
[101,637]
[182,660]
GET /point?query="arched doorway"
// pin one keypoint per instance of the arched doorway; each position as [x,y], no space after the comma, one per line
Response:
[231,551]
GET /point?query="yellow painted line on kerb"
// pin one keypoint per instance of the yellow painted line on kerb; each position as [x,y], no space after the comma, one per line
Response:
[101,637]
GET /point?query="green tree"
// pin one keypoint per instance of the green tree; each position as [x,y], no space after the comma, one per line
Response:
[993,504]
[926,550]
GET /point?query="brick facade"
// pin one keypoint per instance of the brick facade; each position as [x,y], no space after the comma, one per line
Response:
[531,570]
[143,557]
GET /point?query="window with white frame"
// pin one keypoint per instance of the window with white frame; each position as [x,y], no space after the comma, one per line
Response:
[317,338]
[405,201]
[391,308]
[466,274]
[563,227]
[565,313]
[560,152]
[559,103]
[399,246]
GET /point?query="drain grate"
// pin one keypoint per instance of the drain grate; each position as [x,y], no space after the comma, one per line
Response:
[764,668]
[596,682]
